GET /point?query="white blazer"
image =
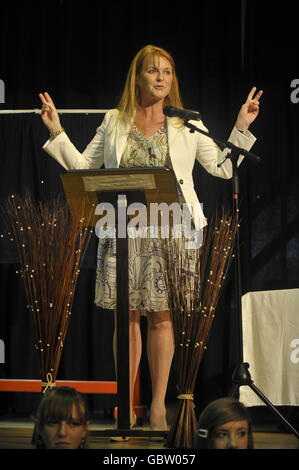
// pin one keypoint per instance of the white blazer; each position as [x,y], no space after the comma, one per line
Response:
[184,147]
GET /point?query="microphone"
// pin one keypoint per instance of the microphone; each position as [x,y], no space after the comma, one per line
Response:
[171,111]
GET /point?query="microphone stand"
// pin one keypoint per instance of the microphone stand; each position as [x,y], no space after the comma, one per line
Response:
[241,375]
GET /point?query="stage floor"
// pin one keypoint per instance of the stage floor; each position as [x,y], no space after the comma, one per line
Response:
[16,433]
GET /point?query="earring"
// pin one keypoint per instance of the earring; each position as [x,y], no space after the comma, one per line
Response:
[39,442]
[137,92]
[82,443]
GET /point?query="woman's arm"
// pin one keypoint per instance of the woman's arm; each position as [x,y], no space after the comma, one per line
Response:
[60,147]
[209,154]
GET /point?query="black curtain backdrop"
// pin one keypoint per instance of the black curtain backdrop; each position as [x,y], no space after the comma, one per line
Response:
[80,54]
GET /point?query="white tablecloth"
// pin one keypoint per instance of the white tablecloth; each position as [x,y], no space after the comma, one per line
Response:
[270,322]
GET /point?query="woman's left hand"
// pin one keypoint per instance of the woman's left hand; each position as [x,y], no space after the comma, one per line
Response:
[249,110]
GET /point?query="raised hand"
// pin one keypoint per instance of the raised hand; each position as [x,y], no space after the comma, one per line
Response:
[249,110]
[49,113]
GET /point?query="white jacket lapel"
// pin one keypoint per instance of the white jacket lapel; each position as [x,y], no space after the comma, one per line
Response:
[122,130]
[175,135]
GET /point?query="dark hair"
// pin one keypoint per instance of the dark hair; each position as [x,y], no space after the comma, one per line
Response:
[58,405]
[217,413]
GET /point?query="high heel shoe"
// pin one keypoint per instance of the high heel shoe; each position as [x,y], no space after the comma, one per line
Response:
[160,426]
[124,438]
[159,438]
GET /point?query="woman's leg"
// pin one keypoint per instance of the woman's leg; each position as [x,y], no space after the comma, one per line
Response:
[135,352]
[160,350]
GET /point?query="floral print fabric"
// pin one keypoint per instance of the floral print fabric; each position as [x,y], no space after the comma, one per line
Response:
[147,291]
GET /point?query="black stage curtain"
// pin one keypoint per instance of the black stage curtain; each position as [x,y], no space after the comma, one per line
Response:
[80,55]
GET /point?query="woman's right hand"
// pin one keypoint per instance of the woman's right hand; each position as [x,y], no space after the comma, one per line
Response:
[49,113]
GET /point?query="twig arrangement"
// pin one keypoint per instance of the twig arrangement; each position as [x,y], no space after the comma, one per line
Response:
[51,244]
[194,286]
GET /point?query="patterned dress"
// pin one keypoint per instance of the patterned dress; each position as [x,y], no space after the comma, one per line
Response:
[147,291]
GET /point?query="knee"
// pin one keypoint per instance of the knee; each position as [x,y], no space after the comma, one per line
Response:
[134,316]
[160,321]
[134,322]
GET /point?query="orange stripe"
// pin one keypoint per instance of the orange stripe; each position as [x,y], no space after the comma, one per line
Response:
[23,385]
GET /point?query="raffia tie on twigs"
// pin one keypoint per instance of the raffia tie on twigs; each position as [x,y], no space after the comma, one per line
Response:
[186,396]
[48,384]
[193,280]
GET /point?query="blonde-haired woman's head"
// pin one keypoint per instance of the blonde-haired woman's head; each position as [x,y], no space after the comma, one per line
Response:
[131,97]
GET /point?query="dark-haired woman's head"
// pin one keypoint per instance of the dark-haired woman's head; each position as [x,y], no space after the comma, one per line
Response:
[224,424]
[62,420]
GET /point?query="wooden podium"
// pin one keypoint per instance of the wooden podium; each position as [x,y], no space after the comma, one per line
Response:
[120,186]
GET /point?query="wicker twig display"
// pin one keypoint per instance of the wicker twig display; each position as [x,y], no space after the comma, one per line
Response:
[51,244]
[194,280]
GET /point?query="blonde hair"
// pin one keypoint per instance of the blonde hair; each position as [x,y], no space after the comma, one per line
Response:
[130,99]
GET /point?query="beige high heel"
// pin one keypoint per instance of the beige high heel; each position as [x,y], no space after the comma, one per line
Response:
[159,438]
[124,438]
[164,427]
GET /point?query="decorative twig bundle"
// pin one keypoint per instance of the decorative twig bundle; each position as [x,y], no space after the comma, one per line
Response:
[194,281]
[51,244]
